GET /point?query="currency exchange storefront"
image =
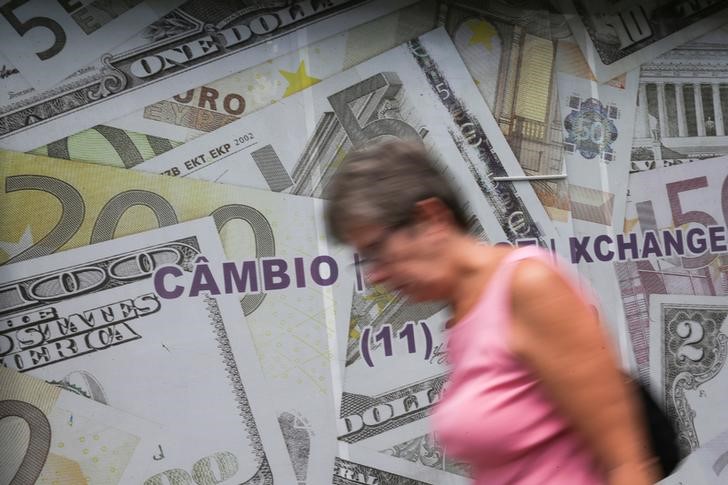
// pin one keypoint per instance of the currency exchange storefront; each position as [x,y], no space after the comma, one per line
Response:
[173,308]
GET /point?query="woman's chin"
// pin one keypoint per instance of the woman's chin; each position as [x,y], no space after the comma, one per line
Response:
[414,296]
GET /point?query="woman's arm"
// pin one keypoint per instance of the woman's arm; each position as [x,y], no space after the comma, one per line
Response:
[559,335]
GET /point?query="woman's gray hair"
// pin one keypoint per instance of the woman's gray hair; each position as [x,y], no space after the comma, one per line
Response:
[382,185]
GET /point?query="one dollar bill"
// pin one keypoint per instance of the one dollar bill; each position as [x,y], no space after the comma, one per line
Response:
[80,33]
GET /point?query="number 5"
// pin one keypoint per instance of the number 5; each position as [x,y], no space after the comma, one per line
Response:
[380,86]
[23,28]
[679,217]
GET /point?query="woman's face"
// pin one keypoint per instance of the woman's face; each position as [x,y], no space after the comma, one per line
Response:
[405,259]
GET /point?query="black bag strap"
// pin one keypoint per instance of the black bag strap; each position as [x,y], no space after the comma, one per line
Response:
[661,431]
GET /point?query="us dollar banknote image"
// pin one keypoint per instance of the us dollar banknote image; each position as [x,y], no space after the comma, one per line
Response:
[688,342]
[425,450]
[673,201]
[617,37]
[682,112]
[80,34]
[90,320]
[358,465]
[294,327]
[50,432]
[164,58]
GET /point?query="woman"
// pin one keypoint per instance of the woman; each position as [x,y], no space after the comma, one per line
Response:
[535,395]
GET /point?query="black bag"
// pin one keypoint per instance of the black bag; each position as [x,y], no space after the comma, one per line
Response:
[661,431]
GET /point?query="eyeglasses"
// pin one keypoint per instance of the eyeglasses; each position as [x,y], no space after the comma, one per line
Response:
[372,256]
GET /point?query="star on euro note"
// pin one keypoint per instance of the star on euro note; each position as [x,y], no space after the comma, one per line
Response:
[298,80]
[483,33]
[12,249]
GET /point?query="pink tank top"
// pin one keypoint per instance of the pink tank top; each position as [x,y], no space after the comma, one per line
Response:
[493,413]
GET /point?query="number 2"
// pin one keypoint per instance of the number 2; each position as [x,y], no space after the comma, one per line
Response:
[73,211]
[692,332]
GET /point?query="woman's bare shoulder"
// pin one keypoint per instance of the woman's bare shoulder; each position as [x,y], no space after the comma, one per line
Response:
[544,299]
[534,278]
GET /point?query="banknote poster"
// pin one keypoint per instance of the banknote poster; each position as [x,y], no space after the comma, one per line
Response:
[173,307]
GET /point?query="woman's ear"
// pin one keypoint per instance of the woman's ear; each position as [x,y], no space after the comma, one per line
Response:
[433,213]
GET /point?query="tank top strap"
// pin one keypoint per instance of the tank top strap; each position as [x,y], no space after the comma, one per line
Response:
[499,293]
[502,275]
[526,252]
